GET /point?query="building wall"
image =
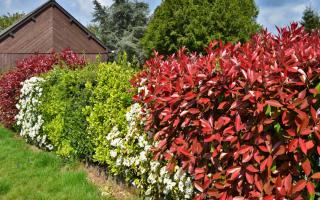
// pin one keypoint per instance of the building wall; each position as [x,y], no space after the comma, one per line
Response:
[32,37]
[68,34]
[51,31]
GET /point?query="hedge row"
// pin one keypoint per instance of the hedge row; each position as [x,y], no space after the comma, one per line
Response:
[241,122]
[88,114]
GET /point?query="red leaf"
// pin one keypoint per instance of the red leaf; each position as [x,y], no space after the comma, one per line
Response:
[258,183]
[198,187]
[263,165]
[228,130]
[180,141]
[235,171]
[244,149]
[252,169]
[206,125]
[249,178]
[263,148]
[310,188]
[274,103]
[184,152]
[269,197]
[306,166]
[234,105]
[189,96]
[303,146]
[293,145]
[212,138]
[269,161]
[260,107]
[288,183]
[176,122]
[203,100]
[194,111]
[238,123]
[306,132]
[309,144]
[316,175]
[285,119]
[247,157]
[291,132]
[313,114]
[300,185]
[222,105]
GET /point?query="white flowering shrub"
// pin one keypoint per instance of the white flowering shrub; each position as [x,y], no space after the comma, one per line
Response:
[131,156]
[29,118]
[128,151]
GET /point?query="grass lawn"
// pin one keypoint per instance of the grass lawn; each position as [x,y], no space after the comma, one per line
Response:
[29,174]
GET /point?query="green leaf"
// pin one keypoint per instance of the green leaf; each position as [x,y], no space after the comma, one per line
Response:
[269,110]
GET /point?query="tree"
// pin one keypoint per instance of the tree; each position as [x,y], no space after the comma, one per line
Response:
[8,19]
[194,23]
[121,26]
[310,19]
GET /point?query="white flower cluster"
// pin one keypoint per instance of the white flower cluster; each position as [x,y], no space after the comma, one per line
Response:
[28,117]
[127,150]
[143,87]
[131,154]
[177,185]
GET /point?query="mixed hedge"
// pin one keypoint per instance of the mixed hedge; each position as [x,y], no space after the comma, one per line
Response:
[240,122]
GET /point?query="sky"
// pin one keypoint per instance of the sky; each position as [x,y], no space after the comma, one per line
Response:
[272,12]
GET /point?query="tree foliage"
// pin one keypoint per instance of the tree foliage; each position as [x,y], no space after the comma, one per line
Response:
[8,19]
[194,23]
[121,26]
[310,19]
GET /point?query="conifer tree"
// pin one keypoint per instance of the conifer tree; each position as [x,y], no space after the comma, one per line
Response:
[310,19]
[194,23]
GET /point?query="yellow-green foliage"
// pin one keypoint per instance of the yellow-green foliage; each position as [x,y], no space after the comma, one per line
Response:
[111,98]
[65,95]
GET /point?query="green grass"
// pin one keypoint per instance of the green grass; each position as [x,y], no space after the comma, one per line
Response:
[29,174]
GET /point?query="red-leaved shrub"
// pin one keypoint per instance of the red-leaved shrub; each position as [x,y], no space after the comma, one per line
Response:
[243,119]
[10,82]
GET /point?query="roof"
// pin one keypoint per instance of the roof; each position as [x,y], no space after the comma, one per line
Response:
[31,17]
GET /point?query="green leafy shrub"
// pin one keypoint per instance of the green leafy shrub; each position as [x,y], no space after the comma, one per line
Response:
[65,94]
[109,102]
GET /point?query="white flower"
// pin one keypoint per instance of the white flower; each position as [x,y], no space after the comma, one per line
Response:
[113,154]
[143,156]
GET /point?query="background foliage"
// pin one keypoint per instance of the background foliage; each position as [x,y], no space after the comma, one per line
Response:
[310,19]
[8,19]
[194,23]
[121,26]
